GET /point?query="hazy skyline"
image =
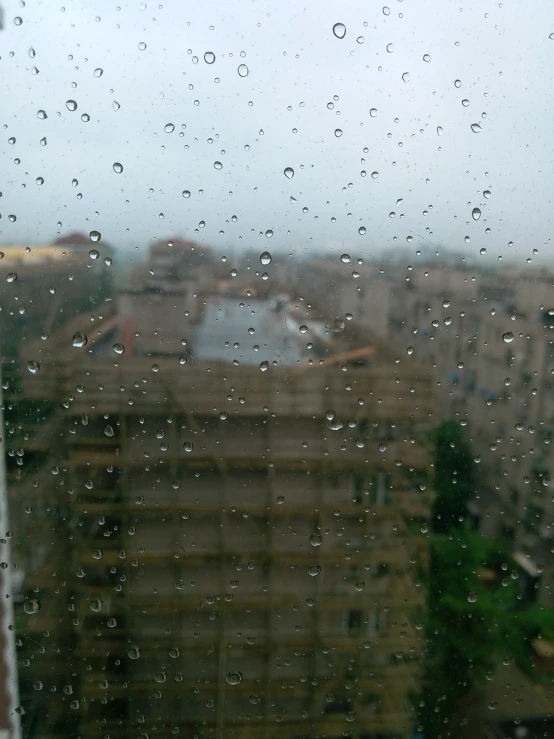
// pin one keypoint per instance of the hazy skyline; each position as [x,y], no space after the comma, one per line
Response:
[279,116]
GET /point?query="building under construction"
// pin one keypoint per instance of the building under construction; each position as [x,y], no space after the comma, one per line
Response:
[226,537]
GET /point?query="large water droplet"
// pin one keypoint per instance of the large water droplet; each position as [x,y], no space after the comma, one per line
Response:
[405,77]
[476,127]
[79,340]
[339,29]
[169,127]
[314,570]
[242,70]
[315,540]
[96,605]
[233,678]
[117,167]
[41,114]
[373,112]
[209,57]
[486,194]
[133,652]
[98,72]
[95,235]
[218,165]
[94,254]
[108,431]
[33,367]
[118,348]
[362,230]
[508,337]
[31,606]
[71,105]
[476,214]
[264,365]
[265,258]
[289,173]
[188,446]
[11,277]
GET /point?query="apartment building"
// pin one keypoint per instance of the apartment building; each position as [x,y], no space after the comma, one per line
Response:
[226,537]
[489,338]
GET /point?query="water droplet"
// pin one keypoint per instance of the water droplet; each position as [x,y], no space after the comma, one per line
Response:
[94,254]
[12,218]
[339,29]
[79,340]
[242,70]
[98,72]
[338,132]
[133,652]
[160,677]
[96,605]
[345,258]
[439,130]
[108,431]
[95,235]
[303,329]
[476,127]
[405,77]
[476,214]
[457,83]
[11,277]
[169,127]
[374,175]
[41,114]
[426,58]
[486,194]
[362,230]
[269,233]
[314,570]
[472,597]
[71,105]
[85,117]
[233,678]
[33,367]
[289,173]
[386,10]
[265,258]
[115,105]
[112,623]
[118,348]
[117,167]
[31,606]
[18,20]
[142,46]
[315,540]
[209,57]
[507,337]
[373,112]
[188,446]
[390,48]
[218,165]
[264,365]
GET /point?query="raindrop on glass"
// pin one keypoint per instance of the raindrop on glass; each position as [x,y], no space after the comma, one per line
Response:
[79,340]
[339,29]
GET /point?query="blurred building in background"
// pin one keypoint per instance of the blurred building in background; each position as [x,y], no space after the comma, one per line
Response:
[222,517]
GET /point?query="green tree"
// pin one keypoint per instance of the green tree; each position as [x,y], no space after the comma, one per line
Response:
[464,625]
[454,476]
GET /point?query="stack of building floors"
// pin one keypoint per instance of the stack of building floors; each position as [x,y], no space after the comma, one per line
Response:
[233,552]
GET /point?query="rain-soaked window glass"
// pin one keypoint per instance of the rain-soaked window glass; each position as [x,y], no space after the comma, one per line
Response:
[277,369]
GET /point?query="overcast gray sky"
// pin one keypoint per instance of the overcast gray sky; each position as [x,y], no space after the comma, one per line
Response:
[278,116]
